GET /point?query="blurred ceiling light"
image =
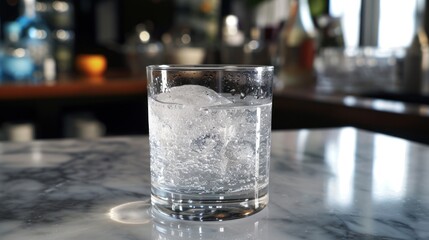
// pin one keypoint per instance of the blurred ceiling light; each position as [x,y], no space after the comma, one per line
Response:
[144,36]
[231,20]
[62,35]
[41,7]
[186,38]
[38,33]
[60,6]
[19,52]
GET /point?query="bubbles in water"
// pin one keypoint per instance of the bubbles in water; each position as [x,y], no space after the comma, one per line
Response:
[205,142]
[240,151]
[201,148]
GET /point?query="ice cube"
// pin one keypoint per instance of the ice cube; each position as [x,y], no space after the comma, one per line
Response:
[192,95]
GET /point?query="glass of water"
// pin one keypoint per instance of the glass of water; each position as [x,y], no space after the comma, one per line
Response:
[210,138]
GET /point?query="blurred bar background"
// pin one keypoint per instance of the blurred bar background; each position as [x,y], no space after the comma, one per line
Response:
[76,68]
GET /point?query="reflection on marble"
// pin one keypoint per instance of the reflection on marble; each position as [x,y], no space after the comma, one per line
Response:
[325,184]
[253,227]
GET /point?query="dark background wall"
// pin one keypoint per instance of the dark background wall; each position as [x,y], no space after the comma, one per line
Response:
[101,23]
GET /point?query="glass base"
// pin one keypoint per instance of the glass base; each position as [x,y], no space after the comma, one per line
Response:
[208,210]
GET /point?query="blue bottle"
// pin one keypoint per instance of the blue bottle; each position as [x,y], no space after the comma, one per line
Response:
[1,59]
[36,37]
[1,63]
[18,66]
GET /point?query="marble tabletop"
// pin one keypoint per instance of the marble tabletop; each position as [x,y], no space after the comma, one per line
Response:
[340,183]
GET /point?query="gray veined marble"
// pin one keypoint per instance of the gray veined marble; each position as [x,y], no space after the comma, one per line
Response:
[325,184]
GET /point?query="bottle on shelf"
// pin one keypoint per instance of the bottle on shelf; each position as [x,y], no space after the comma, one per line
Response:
[142,49]
[327,23]
[36,36]
[416,61]
[232,41]
[1,57]
[18,66]
[297,47]
[59,17]
[255,49]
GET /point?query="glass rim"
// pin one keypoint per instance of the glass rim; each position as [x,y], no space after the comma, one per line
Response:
[211,67]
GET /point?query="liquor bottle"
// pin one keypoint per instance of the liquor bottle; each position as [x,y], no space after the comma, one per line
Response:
[18,66]
[255,49]
[142,49]
[416,61]
[1,57]
[59,17]
[297,47]
[232,41]
[37,38]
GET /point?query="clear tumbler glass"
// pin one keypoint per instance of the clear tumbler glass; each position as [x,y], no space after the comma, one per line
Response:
[210,139]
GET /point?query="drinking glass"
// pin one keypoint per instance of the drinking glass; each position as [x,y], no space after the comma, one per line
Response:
[210,138]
